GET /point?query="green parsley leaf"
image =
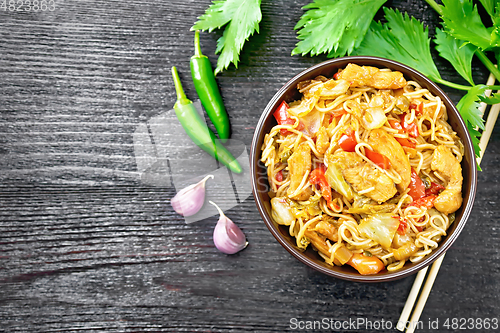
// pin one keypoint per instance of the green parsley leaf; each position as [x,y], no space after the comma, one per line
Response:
[461,19]
[468,107]
[242,18]
[335,27]
[494,99]
[393,40]
[457,52]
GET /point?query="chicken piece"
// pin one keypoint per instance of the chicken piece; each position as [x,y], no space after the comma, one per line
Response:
[383,143]
[364,176]
[334,88]
[322,140]
[299,164]
[444,162]
[388,80]
[344,159]
[327,230]
[358,76]
[361,76]
[318,242]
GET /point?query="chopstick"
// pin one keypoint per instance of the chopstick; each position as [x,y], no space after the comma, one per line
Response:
[403,319]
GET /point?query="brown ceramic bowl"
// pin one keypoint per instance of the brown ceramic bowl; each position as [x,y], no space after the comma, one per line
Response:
[260,185]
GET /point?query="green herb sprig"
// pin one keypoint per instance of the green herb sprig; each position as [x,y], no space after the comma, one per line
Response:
[463,36]
[335,27]
[241,19]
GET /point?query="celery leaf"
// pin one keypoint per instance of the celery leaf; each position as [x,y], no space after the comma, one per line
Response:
[461,19]
[402,39]
[457,52]
[334,27]
[468,107]
[494,99]
[241,19]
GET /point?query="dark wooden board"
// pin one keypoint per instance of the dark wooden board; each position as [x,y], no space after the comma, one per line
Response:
[86,245]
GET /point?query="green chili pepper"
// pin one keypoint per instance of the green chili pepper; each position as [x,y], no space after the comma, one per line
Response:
[197,130]
[208,91]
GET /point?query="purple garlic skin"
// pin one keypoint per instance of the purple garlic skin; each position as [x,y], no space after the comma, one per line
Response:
[228,238]
[189,200]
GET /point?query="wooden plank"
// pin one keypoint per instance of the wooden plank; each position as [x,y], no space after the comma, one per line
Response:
[87,245]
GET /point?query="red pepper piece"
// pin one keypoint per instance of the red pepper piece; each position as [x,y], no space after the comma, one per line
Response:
[411,129]
[396,125]
[419,109]
[317,177]
[348,140]
[406,142]
[403,225]
[417,187]
[283,118]
[279,176]
[378,159]
[319,165]
[434,189]
[402,141]
[427,202]
[339,113]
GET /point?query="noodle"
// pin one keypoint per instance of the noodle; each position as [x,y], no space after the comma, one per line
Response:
[378,156]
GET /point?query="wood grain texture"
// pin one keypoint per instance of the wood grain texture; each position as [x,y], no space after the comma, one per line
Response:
[85,245]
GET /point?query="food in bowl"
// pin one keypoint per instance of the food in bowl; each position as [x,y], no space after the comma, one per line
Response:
[364,168]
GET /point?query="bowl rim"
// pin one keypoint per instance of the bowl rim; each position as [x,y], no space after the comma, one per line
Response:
[390,276]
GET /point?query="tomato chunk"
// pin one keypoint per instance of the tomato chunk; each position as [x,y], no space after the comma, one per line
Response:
[348,140]
[417,187]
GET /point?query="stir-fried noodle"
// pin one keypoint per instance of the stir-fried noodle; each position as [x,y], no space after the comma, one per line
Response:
[365,168]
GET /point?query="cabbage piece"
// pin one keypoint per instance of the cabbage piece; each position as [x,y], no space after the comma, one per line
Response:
[374,118]
[337,182]
[405,251]
[282,212]
[302,108]
[379,228]
[342,255]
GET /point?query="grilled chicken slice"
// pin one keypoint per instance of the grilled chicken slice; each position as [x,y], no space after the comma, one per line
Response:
[299,164]
[364,176]
[362,76]
[318,242]
[344,159]
[328,230]
[383,143]
[322,140]
[444,162]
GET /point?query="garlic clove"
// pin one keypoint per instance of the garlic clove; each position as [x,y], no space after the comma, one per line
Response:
[189,200]
[228,238]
